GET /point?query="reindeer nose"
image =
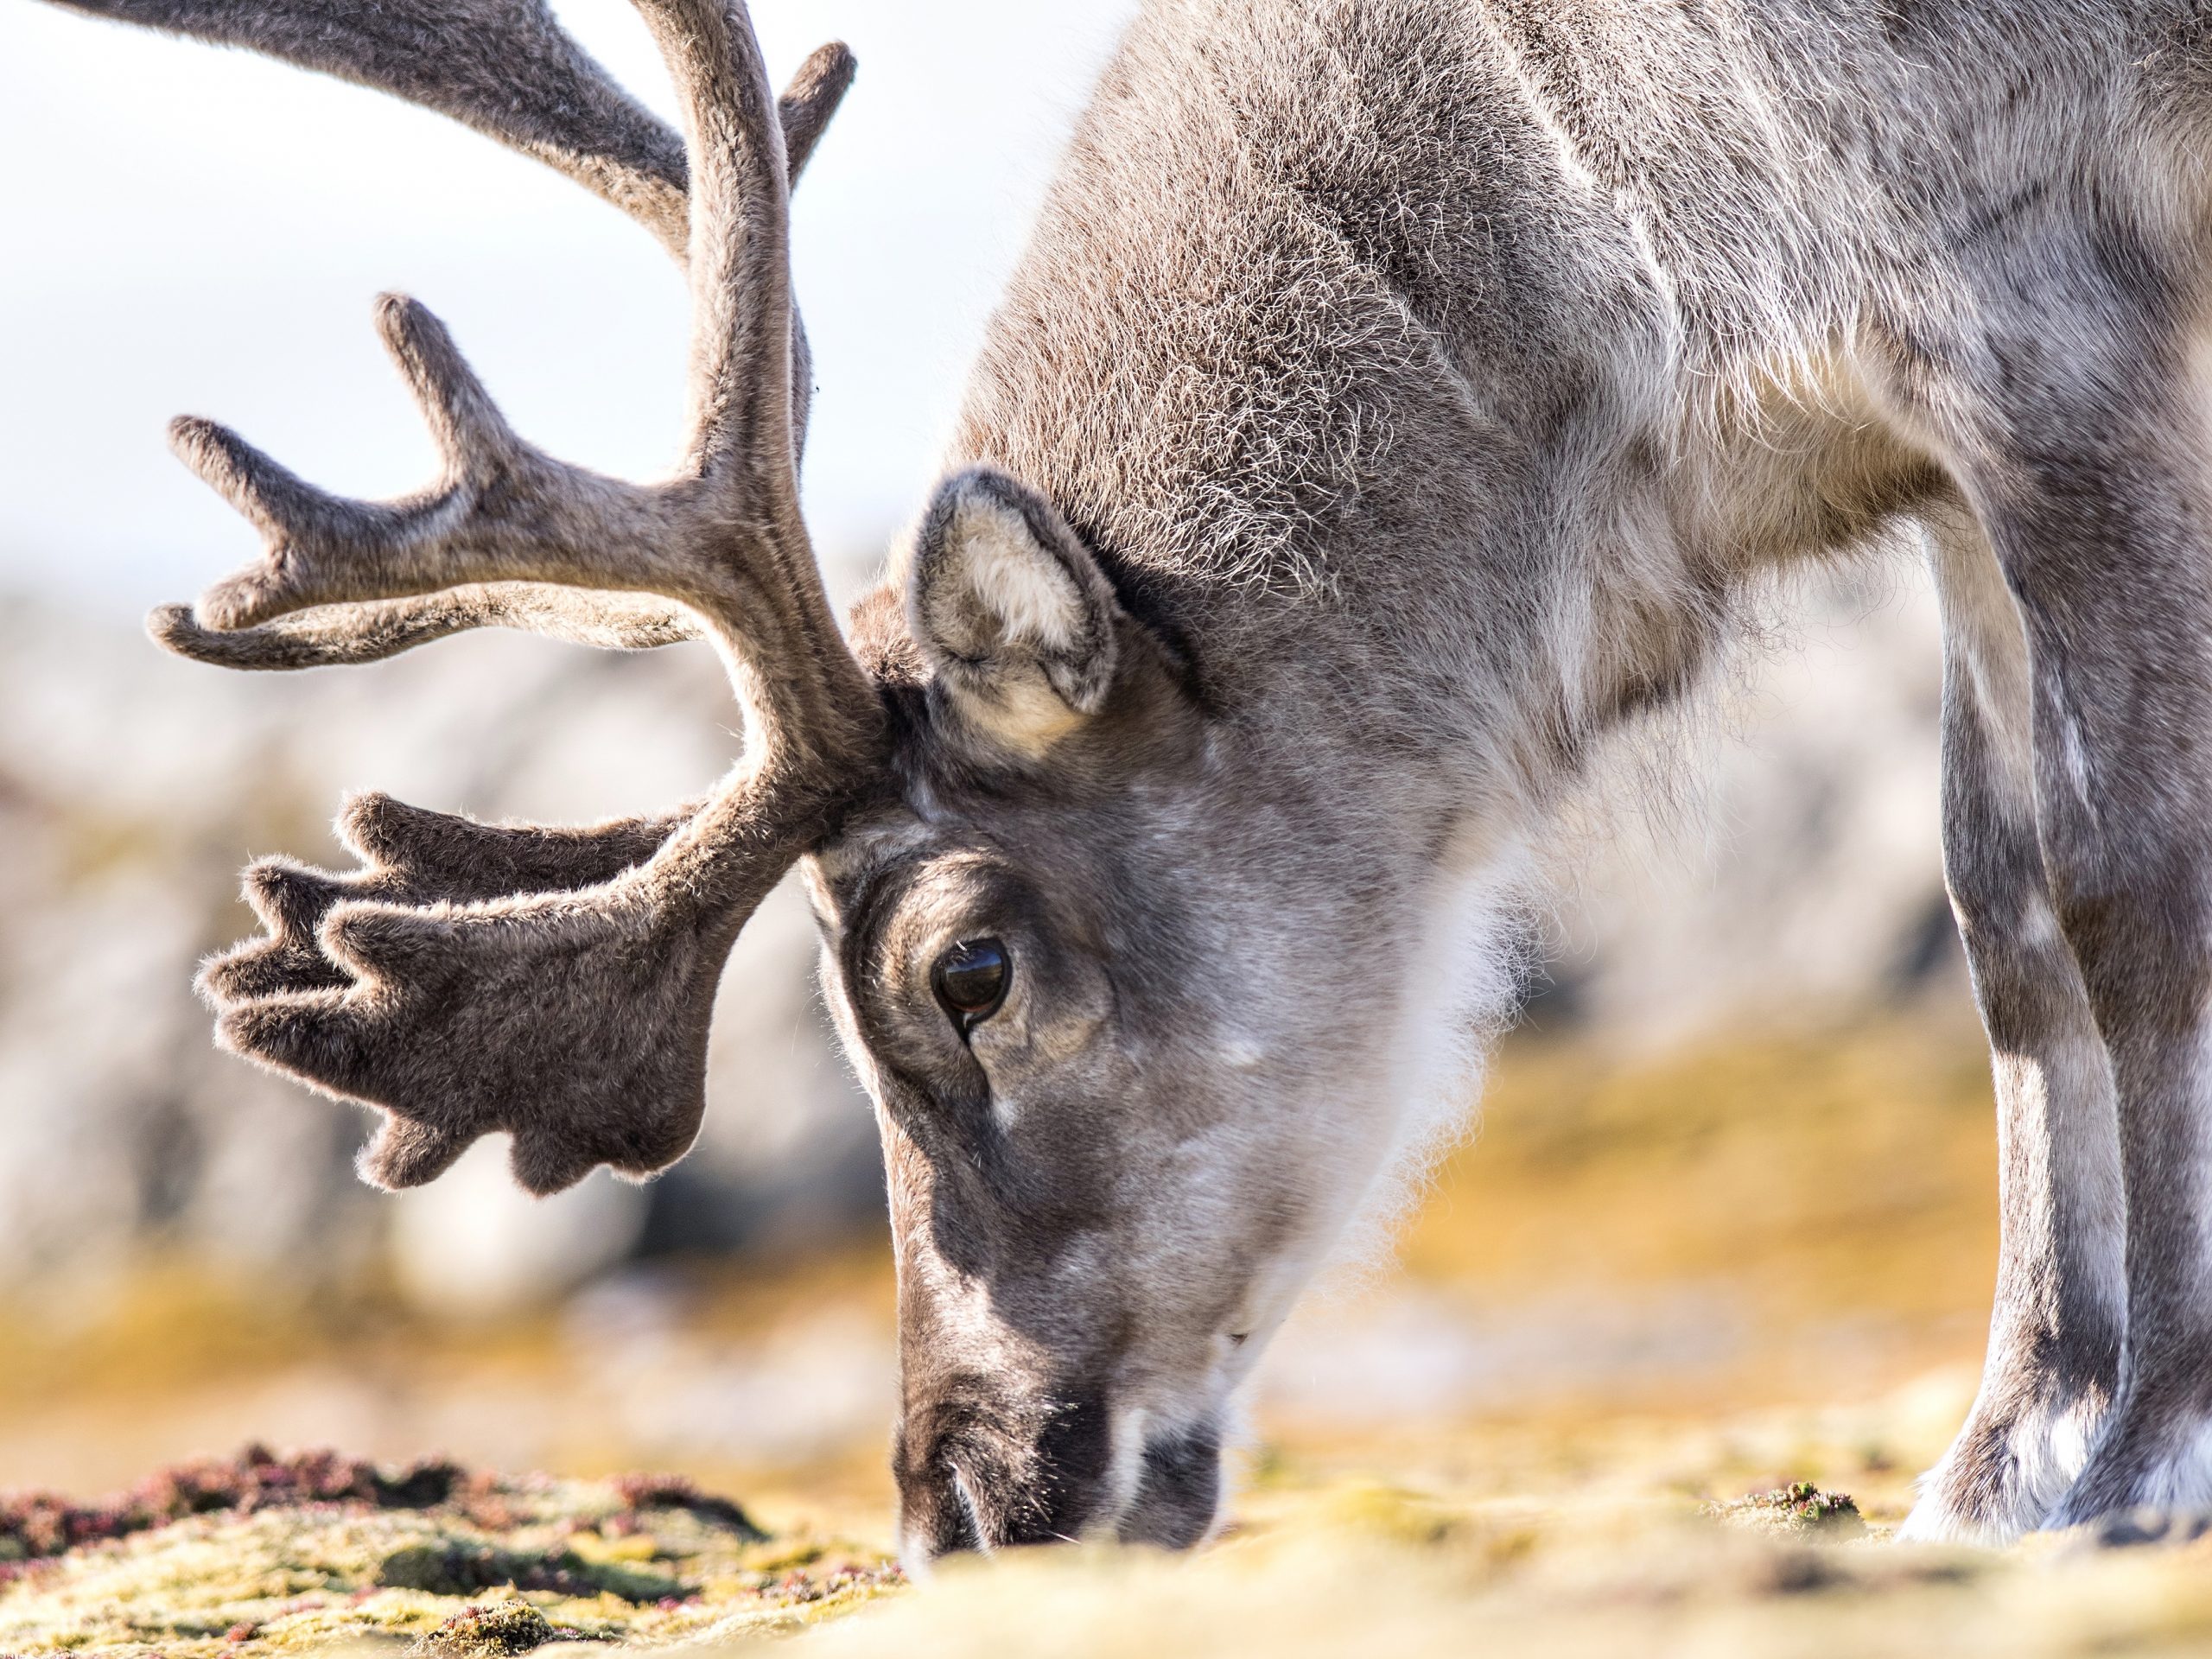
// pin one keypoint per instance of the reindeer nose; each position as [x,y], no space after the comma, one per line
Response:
[980,1471]
[1178,1490]
[939,1515]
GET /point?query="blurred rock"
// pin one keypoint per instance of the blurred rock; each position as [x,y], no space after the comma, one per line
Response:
[1799,881]
[473,1242]
[1771,857]
[133,786]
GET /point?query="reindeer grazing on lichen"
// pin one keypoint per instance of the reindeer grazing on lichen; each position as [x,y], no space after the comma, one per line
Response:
[1398,394]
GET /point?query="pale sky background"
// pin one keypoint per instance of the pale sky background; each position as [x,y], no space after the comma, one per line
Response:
[185,229]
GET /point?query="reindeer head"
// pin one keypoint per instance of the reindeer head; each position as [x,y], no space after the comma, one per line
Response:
[1083,946]
[1112,1125]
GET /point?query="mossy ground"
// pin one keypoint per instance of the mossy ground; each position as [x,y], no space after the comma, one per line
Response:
[1595,1538]
[1834,1197]
[492,1565]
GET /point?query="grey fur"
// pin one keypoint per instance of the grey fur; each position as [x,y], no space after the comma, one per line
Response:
[1397,395]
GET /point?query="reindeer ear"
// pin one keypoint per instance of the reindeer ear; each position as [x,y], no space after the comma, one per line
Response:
[1015,617]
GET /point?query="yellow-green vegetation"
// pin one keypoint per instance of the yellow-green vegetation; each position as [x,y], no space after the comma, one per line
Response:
[1836,1192]
[462,1567]
[1347,1573]
[1576,1536]
[1597,1537]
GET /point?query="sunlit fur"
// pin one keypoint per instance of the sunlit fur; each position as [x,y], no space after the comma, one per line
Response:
[1434,381]
[1397,396]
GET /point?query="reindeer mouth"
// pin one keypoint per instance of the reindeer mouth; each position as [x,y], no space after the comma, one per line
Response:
[982,1468]
[980,1471]
[975,1490]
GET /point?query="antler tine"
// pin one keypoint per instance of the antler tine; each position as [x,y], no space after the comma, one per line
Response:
[811,101]
[345,635]
[411,857]
[806,107]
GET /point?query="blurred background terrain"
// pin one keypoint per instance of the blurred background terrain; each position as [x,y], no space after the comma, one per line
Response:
[1745,1119]
[1739,1149]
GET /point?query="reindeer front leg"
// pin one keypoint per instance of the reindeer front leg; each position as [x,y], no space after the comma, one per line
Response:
[2089,471]
[2055,1334]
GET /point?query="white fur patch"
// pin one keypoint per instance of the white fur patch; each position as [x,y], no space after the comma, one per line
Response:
[1018,581]
[2183,1481]
[1125,1470]
[1242,1053]
[1461,982]
[2048,1450]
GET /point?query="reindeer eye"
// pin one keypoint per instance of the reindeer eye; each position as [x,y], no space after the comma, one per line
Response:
[971,980]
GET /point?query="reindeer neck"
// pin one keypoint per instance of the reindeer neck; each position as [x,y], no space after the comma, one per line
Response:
[1342,339]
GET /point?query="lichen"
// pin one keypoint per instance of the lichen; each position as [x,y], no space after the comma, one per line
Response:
[1800,1507]
[261,1555]
[487,1632]
[34,1525]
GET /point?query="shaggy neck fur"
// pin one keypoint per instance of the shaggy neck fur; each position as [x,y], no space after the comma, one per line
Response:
[1333,409]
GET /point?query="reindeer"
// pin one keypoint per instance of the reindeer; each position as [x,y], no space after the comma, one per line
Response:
[1397,397]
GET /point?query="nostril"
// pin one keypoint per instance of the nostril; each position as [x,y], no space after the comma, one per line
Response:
[1238,1339]
[1178,1490]
[941,1517]
[981,1470]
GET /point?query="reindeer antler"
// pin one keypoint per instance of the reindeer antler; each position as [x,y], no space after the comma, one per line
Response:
[413,858]
[556,984]
[373,630]
[504,67]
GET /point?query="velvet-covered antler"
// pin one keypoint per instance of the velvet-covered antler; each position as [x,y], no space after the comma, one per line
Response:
[506,69]
[503,66]
[553,983]
[411,857]
[416,862]
[371,630]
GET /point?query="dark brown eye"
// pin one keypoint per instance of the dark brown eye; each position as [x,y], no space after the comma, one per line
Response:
[971,980]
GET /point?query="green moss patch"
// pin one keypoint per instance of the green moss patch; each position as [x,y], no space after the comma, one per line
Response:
[1799,1508]
[487,1632]
[262,1554]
